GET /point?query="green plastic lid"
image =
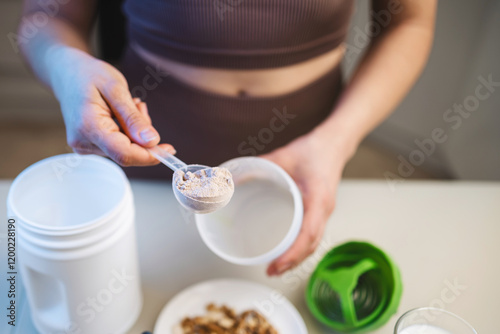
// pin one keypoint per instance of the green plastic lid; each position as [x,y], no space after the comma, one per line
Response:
[355,288]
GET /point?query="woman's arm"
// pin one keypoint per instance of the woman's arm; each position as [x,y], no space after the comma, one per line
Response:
[68,25]
[391,65]
[91,93]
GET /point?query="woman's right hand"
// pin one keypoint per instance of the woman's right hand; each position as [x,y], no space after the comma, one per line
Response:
[92,95]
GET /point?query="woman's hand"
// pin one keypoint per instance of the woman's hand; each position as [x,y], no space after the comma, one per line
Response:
[316,166]
[93,94]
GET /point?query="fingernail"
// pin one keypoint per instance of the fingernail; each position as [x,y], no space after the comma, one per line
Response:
[173,151]
[148,135]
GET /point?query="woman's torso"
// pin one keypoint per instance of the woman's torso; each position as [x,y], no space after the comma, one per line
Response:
[241,47]
[257,83]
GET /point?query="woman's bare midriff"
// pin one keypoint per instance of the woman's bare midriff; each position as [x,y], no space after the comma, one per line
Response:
[258,83]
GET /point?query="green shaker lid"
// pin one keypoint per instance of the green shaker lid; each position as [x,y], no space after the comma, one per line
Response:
[355,288]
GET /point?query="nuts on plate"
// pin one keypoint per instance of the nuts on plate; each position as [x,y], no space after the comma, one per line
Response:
[224,320]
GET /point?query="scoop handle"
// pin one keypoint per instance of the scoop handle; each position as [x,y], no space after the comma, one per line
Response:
[166,158]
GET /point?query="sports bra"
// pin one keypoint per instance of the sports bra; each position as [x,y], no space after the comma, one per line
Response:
[238,34]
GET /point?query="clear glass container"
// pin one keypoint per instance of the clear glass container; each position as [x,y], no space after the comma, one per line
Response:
[429,320]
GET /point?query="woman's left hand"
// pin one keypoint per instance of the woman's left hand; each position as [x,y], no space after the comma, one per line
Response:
[316,166]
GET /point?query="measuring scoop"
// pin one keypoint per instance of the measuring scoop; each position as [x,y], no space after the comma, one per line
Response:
[199,204]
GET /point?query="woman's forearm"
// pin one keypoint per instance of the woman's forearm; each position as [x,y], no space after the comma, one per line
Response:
[69,28]
[385,75]
[43,53]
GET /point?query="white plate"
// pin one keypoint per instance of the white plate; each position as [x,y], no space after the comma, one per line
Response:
[240,295]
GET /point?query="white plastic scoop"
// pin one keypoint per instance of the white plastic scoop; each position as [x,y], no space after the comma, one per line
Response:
[198,204]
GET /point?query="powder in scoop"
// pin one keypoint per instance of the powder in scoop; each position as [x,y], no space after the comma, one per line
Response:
[204,183]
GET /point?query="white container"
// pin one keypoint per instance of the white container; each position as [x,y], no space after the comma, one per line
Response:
[77,250]
[263,218]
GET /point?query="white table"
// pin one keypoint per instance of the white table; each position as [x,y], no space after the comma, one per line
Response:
[439,233]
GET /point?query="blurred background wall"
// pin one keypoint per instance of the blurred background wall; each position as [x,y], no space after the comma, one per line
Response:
[466,46]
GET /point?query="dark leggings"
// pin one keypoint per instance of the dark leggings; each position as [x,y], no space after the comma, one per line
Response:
[209,128]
